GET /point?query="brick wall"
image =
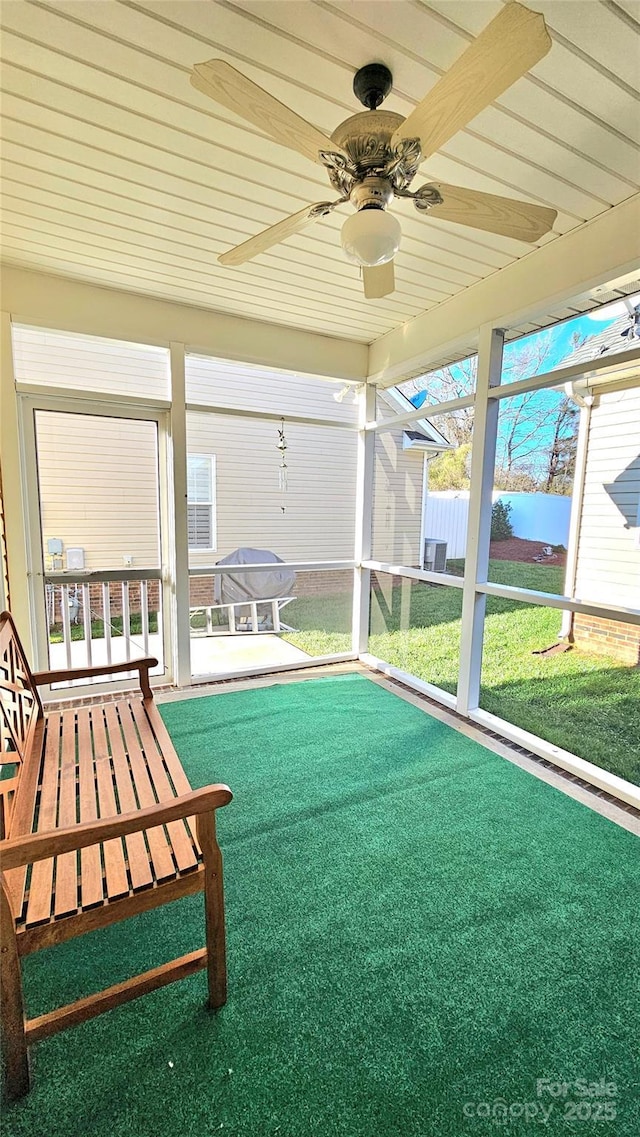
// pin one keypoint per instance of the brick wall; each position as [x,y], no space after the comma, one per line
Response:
[608,637]
[306,584]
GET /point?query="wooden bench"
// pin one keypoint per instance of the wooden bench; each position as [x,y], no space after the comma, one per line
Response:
[99,822]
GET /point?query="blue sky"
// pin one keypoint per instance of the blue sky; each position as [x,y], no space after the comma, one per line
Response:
[559,338]
[541,405]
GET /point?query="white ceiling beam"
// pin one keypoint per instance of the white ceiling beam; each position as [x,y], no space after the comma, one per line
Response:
[547,278]
[76,306]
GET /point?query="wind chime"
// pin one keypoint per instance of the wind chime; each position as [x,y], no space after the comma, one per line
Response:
[282,471]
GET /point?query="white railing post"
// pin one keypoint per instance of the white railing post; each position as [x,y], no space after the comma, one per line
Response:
[178,594]
[476,565]
[126,620]
[106,618]
[66,622]
[86,619]
[144,615]
[364,518]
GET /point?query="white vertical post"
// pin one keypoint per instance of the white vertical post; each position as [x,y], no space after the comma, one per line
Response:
[22,513]
[364,519]
[423,509]
[66,623]
[106,618]
[575,522]
[144,615]
[126,620]
[179,558]
[86,620]
[476,565]
[15,506]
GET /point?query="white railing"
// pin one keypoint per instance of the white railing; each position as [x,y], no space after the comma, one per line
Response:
[104,605]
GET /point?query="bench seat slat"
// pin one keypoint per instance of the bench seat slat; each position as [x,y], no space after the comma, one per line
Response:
[91,883]
[115,869]
[185,847]
[160,850]
[140,871]
[41,885]
[171,760]
[66,875]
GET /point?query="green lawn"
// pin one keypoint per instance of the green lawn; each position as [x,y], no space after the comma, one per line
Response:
[586,703]
[56,634]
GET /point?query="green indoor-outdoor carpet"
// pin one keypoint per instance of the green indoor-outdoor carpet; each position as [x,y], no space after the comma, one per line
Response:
[418,931]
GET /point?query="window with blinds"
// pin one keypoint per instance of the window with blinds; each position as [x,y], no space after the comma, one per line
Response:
[200,501]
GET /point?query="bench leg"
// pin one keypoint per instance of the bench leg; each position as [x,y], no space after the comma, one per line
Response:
[214,909]
[16,1057]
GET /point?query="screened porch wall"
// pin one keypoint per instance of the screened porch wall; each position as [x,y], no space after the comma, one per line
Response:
[312,519]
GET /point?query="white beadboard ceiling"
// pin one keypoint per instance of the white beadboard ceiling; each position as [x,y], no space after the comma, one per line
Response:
[118,172]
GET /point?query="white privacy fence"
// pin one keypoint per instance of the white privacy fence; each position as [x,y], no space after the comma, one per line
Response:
[534,517]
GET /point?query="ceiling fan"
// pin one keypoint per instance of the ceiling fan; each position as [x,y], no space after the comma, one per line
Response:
[373,156]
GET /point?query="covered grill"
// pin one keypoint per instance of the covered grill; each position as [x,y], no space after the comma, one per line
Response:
[266,587]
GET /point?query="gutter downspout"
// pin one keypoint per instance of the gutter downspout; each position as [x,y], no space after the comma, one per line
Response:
[566,628]
[423,511]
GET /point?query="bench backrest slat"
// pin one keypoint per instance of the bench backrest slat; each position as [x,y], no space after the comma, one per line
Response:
[20,709]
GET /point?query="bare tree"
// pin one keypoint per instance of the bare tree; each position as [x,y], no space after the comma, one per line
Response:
[561,458]
[536,431]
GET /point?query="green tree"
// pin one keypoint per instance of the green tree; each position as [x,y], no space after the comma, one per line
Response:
[501,527]
[449,471]
[537,430]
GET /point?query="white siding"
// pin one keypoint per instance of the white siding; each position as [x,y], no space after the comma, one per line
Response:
[99,487]
[608,567]
[397,501]
[314,519]
[223,383]
[89,363]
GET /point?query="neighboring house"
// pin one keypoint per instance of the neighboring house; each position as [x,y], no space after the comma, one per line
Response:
[603,563]
[99,475]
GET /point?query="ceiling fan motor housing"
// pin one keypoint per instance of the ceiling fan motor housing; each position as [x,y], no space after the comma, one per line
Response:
[366,138]
[372,193]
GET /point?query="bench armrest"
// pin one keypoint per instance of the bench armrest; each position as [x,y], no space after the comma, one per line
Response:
[18,851]
[142,666]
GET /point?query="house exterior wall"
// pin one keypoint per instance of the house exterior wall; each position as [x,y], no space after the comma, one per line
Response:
[98,481]
[89,363]
[218,382]
[608,559]
[313,519]
[397,501]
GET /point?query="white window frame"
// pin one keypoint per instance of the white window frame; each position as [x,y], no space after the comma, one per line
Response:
[212,503]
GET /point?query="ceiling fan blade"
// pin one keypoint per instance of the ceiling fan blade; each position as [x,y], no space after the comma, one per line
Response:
[223,83]
[507,48]
[274,235]
[379,280]
[502,215]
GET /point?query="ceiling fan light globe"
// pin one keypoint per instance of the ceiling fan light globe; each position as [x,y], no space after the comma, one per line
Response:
[371,237]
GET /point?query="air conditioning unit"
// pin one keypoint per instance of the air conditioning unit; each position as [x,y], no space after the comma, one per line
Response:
[435,555]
